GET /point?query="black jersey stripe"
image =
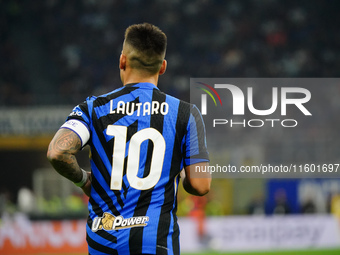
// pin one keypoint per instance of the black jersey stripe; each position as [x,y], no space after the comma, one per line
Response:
[132,129]
[83,107]
[99,247]
[165,219]
[96,208]
[104,121]
[96,157]
[184,116]
[104,196]
[156,121]
[201,137]
[125,186]
[102,124]
[175,234]
[104,234]
[169,194]
[113,118]
[102,100]
[107,145]
[107,177]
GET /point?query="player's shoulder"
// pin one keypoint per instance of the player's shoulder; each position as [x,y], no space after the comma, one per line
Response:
[90,99]
[102,97]
[184,109]
[182,103]
[111,92]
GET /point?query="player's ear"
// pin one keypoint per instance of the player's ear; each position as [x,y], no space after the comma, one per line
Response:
[122,61]
[163,67]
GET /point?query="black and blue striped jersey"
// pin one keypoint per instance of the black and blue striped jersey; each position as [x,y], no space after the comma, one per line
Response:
[140,139]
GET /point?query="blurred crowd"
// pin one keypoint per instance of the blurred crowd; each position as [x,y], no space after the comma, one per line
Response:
[80,42]
[59,52]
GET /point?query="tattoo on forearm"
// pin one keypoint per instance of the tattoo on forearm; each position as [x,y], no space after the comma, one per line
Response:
[65,145]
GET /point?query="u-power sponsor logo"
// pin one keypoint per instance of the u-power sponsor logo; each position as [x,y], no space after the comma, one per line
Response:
[280,98]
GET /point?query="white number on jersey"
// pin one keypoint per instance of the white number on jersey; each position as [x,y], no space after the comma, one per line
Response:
[132,167]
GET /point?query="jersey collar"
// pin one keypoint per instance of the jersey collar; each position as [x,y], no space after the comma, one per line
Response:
[143,85]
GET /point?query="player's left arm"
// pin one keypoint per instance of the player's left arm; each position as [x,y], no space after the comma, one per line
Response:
[196,182]
[61,153]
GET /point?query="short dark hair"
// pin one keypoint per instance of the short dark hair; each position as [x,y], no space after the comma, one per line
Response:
[149,44]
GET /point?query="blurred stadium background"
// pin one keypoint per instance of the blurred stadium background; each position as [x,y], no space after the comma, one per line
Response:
[53,54]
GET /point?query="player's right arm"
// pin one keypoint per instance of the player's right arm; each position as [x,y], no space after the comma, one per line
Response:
[66,143]
[61,154]
[196,183]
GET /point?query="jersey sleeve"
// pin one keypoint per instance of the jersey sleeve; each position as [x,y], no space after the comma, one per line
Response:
[195,139]
[79,122]
[80,112]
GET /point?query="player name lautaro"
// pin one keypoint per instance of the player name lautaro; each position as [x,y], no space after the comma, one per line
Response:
[141,109]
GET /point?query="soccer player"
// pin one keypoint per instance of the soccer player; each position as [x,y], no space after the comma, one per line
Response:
[140,140]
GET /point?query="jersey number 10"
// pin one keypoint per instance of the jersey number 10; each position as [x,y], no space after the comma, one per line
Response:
[132,167]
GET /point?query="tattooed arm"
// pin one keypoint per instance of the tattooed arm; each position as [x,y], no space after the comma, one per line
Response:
[61,153]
